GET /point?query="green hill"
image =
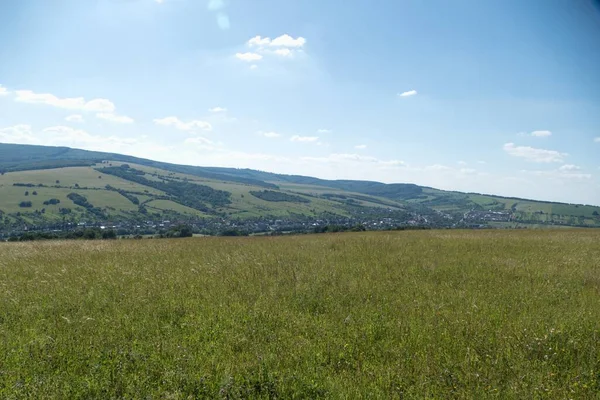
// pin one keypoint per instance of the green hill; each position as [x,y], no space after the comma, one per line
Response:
[58,187]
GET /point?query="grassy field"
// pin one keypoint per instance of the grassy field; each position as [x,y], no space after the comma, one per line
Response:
[430,314]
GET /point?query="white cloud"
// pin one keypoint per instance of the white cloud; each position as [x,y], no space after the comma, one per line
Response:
[280,41]
[534,154]
[64,136]
[120,119]
[253,66]
[259,41]
[74,118]
[360,146]
[337,158]
[216,110]
[285,52]
[437,167]
[541,133]
[325,131]
[288,41]
[183,126]
[198,140]
[561,174]
[270,135]
[17,134]
[68,136]
[597,140]
[214,5]
[569,167]
[393,163]
[3,91]
[284,46]
[304,139]
[159,1]
[72,103]
[408,94]
[202,143]
[462,163]
[249,56]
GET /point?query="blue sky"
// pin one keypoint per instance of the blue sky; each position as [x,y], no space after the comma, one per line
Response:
[495,96]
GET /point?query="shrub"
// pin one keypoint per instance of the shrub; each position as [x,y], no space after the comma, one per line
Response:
[51,202]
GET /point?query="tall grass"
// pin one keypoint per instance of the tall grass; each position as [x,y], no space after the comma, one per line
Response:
[429,314]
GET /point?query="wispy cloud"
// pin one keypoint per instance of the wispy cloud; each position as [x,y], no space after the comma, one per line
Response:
[534,154]
[74,118]
[112,117]
[597,140]
[437,167]
[354,158]
[324,131]
[541,133]
[71,103]
[248,56]
[184,126]
[271,135]
[360,146]
[566,172]
[569,167]
[216,110]
[202,143]
[71,136]
[65,136]
[3,91]
[408,93]
[304,139]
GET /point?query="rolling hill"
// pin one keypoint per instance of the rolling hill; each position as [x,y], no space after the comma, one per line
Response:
[61,188]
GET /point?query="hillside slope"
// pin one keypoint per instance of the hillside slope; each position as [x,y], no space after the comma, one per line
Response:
[42,187]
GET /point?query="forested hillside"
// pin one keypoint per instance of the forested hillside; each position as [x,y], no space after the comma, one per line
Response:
[61,188]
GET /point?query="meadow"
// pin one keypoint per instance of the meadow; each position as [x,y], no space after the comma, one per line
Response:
[413,314]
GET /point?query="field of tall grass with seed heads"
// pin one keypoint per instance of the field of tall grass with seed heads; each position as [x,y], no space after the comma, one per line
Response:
[414,314]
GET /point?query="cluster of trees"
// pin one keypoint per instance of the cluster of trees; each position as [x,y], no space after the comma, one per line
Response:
[45,164]
[86,234]
[186,193]
[339,228]
[398,191]
[83,202]
[51,202]
[25,204]
[179,231]
[233,232]
[124,193]
[271,195]
[30,185]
